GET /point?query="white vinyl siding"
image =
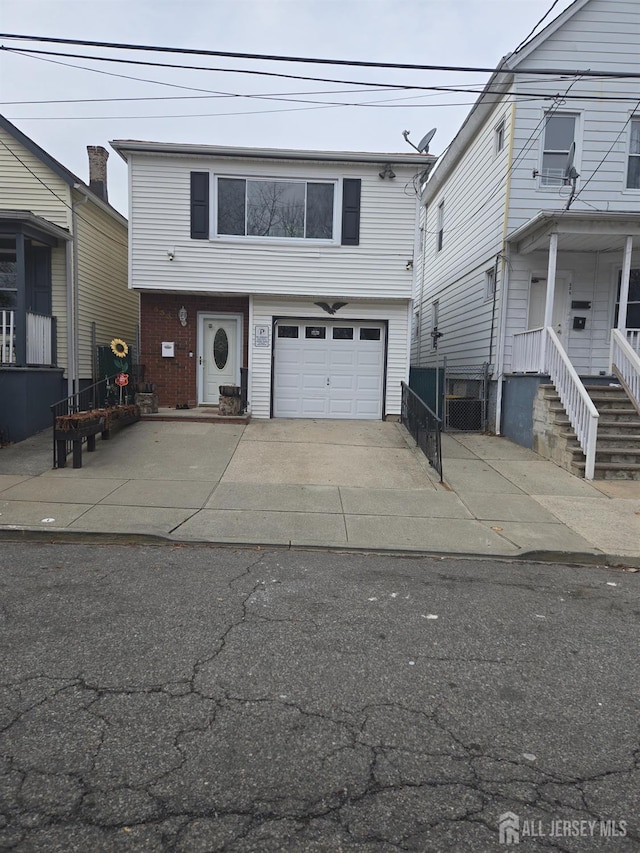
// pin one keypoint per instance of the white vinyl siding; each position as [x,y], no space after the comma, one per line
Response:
[604,34]
[455,276]
[395,312]
[160,213]
[102,283]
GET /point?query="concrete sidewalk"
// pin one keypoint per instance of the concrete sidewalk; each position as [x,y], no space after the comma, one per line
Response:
[339,484]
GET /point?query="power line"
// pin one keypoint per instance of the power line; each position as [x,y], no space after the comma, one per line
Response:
[541,21]
[265,57]
[286,97]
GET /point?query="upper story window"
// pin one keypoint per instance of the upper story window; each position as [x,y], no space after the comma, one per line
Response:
[490,283]
[271,208]
[559,133]
[499,137]
[440,226]
[633,169]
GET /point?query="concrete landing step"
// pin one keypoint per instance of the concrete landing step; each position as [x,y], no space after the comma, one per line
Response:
[611,471]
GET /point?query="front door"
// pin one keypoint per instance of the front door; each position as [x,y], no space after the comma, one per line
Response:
[218,354]
[537,299]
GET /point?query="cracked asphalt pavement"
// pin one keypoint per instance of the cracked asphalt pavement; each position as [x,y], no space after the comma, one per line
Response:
[188,699]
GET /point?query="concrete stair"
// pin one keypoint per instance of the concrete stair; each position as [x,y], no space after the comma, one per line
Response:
[618,445]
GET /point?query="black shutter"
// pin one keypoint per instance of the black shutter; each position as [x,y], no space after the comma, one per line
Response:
[199,205]
[351,211]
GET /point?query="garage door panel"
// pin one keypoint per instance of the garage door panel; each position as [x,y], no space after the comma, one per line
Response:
[367,384]
[338,375]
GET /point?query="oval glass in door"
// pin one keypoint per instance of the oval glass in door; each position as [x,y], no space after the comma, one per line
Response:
[221,349]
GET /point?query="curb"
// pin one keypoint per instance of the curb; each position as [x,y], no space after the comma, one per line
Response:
[79,537]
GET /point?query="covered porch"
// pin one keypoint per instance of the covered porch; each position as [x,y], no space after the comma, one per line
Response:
[30,379]
[28,334]
[582,308]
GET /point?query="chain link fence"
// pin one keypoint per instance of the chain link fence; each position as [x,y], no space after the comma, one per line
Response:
[466,392]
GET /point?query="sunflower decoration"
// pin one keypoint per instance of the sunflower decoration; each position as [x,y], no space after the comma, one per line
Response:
[120,349]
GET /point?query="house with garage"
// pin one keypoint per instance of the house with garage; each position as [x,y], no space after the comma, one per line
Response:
[63,280]
[529,270]
[287,271]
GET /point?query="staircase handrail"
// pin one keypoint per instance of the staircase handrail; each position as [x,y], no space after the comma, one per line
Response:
[625,365]
[575,398]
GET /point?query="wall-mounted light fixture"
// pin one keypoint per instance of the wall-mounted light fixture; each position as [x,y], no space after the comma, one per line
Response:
[171,254]
[409,264]
[182,316]
[387,172]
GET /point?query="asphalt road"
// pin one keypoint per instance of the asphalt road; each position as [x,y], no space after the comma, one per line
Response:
[206,699]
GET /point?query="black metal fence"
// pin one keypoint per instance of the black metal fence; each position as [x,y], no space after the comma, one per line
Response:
[424,426]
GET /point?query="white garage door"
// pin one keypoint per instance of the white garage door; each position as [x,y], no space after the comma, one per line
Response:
[328,370]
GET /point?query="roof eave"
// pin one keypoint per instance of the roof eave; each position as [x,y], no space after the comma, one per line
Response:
[125,147]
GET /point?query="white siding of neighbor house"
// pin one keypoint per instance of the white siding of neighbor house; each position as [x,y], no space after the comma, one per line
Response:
[103,294]
[264,309]
[27,184]
[474,209]
[160,222]
[604,34]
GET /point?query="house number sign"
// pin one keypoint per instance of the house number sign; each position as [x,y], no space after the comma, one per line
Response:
[261,336]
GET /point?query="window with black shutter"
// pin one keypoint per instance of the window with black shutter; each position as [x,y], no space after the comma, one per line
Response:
[351,211]
[199,205]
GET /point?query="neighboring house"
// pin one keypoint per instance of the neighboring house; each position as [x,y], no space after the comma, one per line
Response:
[63,280]
[294,266]
[531,228]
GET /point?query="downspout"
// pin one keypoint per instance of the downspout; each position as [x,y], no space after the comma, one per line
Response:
[73,328]
[70,336]
[415,297]
[499,373]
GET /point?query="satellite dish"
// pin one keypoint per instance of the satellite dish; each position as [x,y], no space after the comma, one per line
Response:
[570,173]
[423,145]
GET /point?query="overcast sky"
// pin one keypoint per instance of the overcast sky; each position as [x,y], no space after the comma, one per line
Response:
[436,32]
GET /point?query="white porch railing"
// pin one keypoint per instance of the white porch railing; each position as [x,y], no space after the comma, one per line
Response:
[578,405]
[38,339]
[625,364]
[633,337]
[7,337]
[527,351]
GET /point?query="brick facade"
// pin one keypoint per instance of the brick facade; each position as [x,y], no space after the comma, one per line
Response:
[176,378]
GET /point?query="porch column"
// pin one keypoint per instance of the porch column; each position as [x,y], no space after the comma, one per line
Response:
[551,280]
[21,304]
[550,296]
[624,285]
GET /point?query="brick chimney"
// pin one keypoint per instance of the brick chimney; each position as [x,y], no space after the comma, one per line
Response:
[98,157]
